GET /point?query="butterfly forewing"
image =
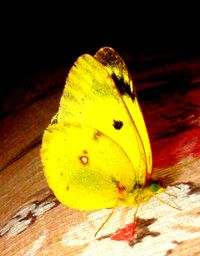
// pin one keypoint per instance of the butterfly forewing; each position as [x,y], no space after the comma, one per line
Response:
[122,78]
[91,98]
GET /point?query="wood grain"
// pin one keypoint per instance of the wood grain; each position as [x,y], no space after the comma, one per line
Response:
[32,222]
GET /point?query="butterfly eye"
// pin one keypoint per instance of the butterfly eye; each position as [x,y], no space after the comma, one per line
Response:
[154,187]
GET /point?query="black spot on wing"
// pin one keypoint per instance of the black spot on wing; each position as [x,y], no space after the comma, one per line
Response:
[123,87]
[117,124]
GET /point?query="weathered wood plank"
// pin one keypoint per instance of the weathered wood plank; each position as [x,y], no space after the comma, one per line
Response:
[32,222]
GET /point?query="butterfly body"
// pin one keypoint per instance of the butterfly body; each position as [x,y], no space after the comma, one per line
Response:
[96,152]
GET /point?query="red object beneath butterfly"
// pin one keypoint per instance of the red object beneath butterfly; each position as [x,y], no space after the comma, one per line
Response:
[125,234]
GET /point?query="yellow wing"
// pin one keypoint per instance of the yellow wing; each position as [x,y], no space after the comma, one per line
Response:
[91,98]
[85,168]
[122,78]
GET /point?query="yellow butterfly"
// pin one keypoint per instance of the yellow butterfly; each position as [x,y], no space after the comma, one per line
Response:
[96,151]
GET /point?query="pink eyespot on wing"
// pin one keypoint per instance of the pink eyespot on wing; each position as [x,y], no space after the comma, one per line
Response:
[84,160]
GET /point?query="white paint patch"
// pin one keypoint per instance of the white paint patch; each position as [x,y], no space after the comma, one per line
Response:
[43,207]
[37,244]
[25,210]
[19,221]
[18,227]
[25,216]
[14,227]
[8,226]
[173,225]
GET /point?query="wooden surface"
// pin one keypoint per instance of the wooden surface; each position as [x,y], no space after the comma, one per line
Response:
[33,222]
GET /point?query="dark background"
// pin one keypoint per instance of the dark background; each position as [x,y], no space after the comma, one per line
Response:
[36,40]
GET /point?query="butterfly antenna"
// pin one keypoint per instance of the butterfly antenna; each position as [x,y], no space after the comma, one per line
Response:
[176,186]
[110,214]
[169,194]
[175,207]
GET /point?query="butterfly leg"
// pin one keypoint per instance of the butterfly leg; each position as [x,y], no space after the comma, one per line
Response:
[110,214]
[135,214]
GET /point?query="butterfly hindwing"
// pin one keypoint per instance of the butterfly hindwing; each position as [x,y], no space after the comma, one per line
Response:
[84,167]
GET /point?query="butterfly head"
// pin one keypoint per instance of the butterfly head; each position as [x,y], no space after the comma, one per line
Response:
[149,191]
[141,194]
